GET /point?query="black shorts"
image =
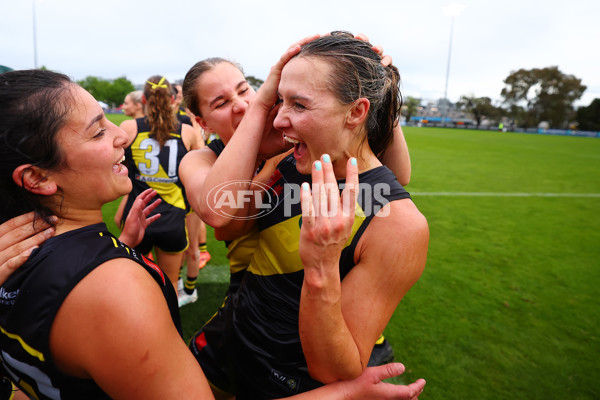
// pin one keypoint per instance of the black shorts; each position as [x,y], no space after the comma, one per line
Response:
[211,346]
[168,233]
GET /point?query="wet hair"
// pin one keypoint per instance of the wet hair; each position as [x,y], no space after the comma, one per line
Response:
[158,108]
[190,94]
[356,72]
[34,106]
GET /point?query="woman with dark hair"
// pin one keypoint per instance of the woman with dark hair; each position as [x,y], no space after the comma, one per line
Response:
[86,316]
[321,285]
[157,143]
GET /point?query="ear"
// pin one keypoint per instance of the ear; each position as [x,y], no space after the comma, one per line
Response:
[202,123]
[358,112]
[34,180]
[144,101]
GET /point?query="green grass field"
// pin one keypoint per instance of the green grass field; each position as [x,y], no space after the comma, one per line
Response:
[507,307]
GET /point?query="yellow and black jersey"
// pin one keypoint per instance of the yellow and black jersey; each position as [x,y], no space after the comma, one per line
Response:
[156,167]
[183,117]
[32,296]
[268,352]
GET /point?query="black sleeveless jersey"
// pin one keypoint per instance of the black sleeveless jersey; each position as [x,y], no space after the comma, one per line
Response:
[265,317]
[32,296]
[216,146]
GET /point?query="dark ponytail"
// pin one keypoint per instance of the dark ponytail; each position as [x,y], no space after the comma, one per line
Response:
[34,106]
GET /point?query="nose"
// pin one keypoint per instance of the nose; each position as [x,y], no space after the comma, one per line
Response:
[281,121]
[239,105]
[121,137]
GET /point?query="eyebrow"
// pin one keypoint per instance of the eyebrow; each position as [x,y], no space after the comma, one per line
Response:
[295,97]
[94,120]
[218,98]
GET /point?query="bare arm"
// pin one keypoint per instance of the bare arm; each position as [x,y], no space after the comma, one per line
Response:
[192,138]
[397,158]
[193,169]
[338,328]
[115,328]
[237,162]
[369,385]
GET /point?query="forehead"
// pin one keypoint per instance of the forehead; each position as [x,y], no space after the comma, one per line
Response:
[84,109]
[305,74]
[222,77]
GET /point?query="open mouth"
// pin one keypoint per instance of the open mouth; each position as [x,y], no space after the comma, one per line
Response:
[289,139]
[119,168]
[299,146]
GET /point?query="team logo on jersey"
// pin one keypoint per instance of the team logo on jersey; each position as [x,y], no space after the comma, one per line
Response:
[8,297]
[285,380]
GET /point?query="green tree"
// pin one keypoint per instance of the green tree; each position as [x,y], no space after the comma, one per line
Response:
[481,107]
[546,94]
[110,92]
[254,82]
[589,117]
[409,108]
[117,91]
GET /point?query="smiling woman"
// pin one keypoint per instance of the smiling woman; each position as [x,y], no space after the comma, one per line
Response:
[323,280]
[65,329]
[86,316]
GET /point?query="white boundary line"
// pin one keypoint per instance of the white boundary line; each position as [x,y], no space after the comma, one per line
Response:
[501,194]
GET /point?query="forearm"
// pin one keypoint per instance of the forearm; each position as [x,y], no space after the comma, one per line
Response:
[397,158]
[236,164]
[329,347]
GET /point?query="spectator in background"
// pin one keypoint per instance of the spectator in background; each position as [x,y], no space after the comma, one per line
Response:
[133,106]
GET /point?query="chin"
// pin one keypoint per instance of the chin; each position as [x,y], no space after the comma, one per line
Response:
[125,188]
[304,169]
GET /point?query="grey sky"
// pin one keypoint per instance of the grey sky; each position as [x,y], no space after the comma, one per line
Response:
[140,38]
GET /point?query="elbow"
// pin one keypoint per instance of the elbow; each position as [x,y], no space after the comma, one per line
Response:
[211,218]
[331,374]
[404,180]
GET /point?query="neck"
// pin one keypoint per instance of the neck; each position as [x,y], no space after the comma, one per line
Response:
[364,156]
[76,220]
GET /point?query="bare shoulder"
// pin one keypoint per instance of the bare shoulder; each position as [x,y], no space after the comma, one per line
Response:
[399,231]
[128,125]
[401,217]
[116,302]
[195,160]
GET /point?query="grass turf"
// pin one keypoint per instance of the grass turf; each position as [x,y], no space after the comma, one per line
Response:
[507,307]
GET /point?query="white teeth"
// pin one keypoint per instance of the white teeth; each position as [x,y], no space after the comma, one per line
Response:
[289,139]
[122,159]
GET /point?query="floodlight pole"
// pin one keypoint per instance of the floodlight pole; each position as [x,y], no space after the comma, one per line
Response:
[35,59]
[446,102]
[452,10]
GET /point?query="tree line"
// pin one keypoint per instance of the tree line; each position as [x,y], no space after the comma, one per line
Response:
[530,96]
